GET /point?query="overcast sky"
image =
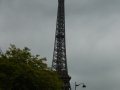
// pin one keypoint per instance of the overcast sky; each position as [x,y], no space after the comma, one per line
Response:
[92,36]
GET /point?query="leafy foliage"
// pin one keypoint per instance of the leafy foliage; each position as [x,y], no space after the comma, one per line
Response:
[20,70]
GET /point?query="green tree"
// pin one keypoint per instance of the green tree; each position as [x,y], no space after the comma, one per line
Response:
[20,70]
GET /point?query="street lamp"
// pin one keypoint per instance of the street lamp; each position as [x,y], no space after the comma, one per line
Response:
[83,85]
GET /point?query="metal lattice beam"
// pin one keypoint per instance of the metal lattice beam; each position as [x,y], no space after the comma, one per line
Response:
[59,63]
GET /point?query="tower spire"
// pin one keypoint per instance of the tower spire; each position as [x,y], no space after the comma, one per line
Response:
[59,63]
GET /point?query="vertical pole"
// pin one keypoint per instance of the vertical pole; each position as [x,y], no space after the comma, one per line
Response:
[75,85]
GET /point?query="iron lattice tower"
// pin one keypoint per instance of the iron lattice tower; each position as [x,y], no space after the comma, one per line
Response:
[59,63]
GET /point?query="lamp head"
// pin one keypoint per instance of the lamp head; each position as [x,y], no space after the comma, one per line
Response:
[84,86]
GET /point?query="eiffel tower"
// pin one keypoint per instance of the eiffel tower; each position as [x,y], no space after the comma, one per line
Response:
[0,50]
[59,62]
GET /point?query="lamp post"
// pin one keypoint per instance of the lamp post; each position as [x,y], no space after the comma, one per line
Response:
[83,85]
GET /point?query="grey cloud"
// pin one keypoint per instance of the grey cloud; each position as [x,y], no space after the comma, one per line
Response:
[102,8]
[92,36]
